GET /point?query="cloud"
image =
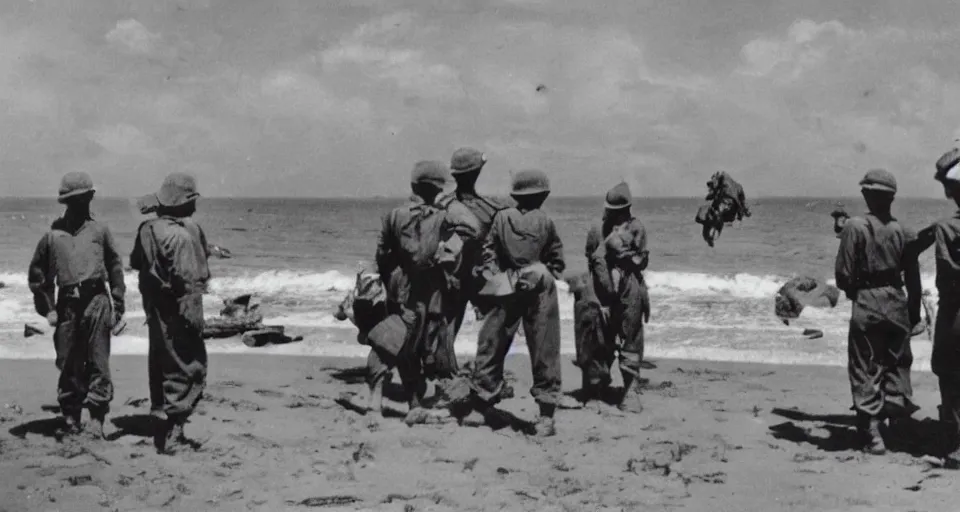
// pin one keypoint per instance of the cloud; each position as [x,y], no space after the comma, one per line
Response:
[123,139]
[377,48]
[301,99]
[132,36]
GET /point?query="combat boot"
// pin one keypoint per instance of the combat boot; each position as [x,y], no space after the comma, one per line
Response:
[95,429]
[546,426]
[72,425]
[869,427]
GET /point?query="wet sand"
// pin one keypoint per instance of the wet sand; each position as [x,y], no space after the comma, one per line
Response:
[711,437]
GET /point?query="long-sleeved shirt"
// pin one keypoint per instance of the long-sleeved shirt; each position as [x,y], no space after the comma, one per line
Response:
[521,238]
[947,236]
[171,256]
[65,258]
[869,265]
[484,209]
[624,246]
[410,235]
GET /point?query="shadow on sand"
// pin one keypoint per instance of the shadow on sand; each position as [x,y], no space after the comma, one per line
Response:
[907,435]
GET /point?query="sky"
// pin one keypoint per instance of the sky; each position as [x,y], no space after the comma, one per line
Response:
[303,98]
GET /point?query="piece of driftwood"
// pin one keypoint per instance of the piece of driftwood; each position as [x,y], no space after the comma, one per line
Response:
[227,326]
[241,318]
[268,335]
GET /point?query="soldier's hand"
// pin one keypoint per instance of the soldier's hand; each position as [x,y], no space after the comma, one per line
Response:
[52,318]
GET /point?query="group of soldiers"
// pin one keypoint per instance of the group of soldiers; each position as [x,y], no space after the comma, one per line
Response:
[876,260]
[442,251]
[76,277]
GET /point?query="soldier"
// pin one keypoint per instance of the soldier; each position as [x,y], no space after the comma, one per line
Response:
[172,259]
[149,204]
[945,360]
[79,256]
[617,255]
[869,265]
[466,165]
[523,258]
[422,239]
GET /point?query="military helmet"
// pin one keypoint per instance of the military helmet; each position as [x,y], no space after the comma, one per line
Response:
[947,166]
[529,182]
[467,159]
[75,184]
[430,171]
[880,180]
[618,197]
[178,189]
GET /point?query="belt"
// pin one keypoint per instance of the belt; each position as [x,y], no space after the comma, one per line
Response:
[84,289]
[880,280]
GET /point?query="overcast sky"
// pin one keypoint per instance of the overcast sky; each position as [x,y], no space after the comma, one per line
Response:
[340,98]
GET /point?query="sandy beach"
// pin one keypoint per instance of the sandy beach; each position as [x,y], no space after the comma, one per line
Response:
[712,436]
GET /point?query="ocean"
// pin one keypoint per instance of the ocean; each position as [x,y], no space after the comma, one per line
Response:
[298,258]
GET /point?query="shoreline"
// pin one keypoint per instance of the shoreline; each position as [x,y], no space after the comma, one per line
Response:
[712,436]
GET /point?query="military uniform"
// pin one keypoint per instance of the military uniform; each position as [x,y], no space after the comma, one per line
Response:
[524,254]
[616,256]
[416,238]
[171,257]
[869,264]
[945,360]
[149,204]
[79,256]
[465,165]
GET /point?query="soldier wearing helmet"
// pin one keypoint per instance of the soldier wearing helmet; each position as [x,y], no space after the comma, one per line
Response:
[424,240]
[522,259]
[78,255]
[945,360]
[616,252]
[869,266]
[171,254]
[465,166]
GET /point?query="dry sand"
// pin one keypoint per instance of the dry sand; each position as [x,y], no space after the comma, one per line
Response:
[712,437]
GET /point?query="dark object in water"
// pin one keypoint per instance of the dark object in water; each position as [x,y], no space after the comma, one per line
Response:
[227,326]
[219,252]
[239,317]
[727,203]
[2,284]
[237,305]
[236,317]
[801,292]
[267,335]
[29,330]
[813,333]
